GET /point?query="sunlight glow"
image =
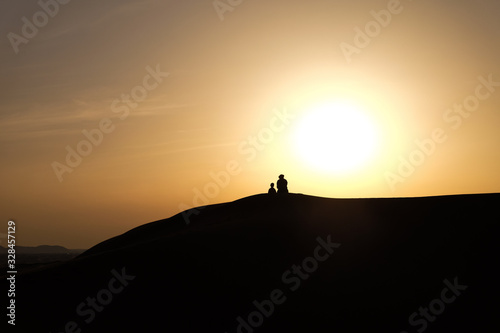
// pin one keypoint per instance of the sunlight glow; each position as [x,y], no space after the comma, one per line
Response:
[336,137]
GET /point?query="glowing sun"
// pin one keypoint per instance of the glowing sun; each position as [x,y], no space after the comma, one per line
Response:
[335,137]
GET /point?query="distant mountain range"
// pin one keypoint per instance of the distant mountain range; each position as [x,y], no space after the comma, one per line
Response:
[42,249]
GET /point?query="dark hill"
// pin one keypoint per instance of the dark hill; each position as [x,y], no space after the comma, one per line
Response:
[389,259]
[41,249]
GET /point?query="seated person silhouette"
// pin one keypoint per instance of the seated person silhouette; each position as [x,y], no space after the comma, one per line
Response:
[282,185]
[272,190]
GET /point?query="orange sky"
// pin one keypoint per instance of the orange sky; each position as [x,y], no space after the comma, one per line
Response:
[178,103]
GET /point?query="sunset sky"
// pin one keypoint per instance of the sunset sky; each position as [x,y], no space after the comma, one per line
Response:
[120,112]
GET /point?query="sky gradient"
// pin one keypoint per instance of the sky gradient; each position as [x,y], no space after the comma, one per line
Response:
[182,103]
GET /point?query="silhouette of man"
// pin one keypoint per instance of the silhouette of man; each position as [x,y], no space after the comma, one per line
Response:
[272,190]
[282,185]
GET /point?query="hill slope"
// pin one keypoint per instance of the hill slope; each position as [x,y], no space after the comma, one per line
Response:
[283,264]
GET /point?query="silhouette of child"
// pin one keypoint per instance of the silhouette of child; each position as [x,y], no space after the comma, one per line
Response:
[282,185]
[272,190]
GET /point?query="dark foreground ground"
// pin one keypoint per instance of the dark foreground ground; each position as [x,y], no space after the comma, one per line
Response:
[284,264]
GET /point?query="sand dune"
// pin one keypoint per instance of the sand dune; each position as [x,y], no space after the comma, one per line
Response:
[293,263]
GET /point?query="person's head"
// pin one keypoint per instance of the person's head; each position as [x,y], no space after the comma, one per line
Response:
[272,184]
[282,176]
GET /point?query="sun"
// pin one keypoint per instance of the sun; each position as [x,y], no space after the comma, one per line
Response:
[335,137]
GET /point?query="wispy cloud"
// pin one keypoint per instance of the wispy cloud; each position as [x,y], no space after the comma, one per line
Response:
[172,147]
[159,110]
[70,118]
[201,147]
[95,16]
